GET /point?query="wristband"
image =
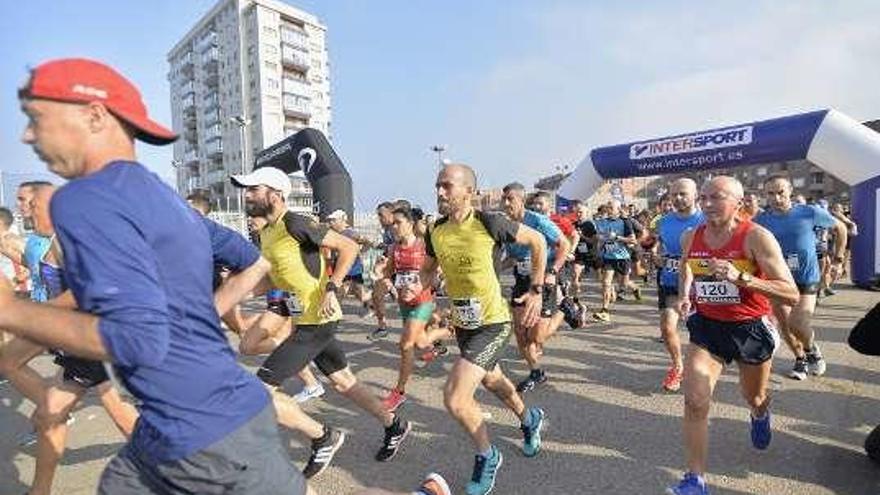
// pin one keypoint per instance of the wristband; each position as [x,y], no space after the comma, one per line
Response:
[331,287]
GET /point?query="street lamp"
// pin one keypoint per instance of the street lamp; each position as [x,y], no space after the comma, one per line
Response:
[242,122]
[439,149]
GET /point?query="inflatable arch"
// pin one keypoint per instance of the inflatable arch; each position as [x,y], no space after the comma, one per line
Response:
[310,152]
[827,138]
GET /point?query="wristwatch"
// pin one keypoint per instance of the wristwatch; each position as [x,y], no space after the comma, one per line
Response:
[331,287]
[744,278]
[838,259]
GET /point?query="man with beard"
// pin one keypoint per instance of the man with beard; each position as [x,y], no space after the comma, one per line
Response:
[293,243]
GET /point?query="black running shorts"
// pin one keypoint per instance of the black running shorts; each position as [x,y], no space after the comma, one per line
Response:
[84,372]
[748,342]
[485,345]
[620,267]
[305,344]
[662,293]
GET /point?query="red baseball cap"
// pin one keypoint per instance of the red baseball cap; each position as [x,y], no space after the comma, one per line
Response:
[79,80]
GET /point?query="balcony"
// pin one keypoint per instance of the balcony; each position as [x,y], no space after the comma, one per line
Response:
[296,107]
[210,58]
[209,40]
[211,100]
[185,62]
[190,156]
[212,117]
[294,37]
[293,58]
[295,87]
[188,88]
[188,103]
[214,148]
[213,132]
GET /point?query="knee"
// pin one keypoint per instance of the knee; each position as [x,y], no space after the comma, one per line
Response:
[696,406]
[407,343]
[344,381]
[455,403]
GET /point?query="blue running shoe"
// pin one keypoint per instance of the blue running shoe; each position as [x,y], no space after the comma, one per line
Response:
[761,434]
[691,484]
[532,433]
[485,469]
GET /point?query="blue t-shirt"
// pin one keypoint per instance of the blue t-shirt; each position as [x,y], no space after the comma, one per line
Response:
[613,249]
[138,257]
[357,268]
[35,248]
[795,231]
[670,228]
[547,228]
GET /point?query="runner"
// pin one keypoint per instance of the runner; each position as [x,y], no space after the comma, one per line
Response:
[464,243]
[383,286]
[530,338]
[732,268]
[751,207]
[138,261]
[293,244]
[670,228]
[614,235]
[354,279]
[585,251]
[793,226]
[416,302]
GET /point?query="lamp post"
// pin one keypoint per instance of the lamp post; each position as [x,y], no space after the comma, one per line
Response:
[242,124]
[439,149]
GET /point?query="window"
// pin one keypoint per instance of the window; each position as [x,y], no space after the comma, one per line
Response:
[798,182]
[272,84]
[817,178]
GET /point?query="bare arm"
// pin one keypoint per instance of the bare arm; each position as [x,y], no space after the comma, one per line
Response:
[530,237]
[778,283]
[12,246]
[563,247]
[685,275]
[840,236]
[238,285]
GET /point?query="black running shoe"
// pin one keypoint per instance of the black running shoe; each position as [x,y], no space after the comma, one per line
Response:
[394,436]
[378,334]
[323,450]
[535,378]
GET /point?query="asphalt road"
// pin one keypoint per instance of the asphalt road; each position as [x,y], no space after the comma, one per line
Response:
[610,429]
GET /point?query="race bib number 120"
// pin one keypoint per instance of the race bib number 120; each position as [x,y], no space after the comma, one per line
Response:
[716,292]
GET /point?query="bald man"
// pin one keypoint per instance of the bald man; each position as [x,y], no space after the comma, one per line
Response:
[670,227]
[733,268]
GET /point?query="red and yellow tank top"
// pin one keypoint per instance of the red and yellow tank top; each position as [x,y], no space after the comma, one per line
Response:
[719,299]
[408,261]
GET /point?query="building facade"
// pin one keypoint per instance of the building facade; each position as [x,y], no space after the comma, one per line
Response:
[247,75]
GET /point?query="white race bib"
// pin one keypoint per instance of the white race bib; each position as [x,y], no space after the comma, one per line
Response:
[467,313]
[523,268]
[405,279]
[294,306]
[671,264]
[583,248]
[716,292]
[793,262]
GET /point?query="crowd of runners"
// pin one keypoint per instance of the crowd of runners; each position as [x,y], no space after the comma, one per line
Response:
[115,268]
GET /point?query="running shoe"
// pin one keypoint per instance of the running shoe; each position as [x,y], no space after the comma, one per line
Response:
[378,334]
[602,315]
[535,378]
[672,382]
[761,433]
[309,393]
[485,468]
[619,296]
[799,372]
[532,432]
[434,484]
[691,484]
[637,294]
[323,450]
[3,380]
[830,292]
[394,436]
[393,399]
[815,362]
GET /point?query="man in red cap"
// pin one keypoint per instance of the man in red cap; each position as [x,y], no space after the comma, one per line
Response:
[138,263]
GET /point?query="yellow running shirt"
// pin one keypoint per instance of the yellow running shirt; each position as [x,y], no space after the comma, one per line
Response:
[467,253]
[293,245]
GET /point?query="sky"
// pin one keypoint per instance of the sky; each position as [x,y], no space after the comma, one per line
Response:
[514,88]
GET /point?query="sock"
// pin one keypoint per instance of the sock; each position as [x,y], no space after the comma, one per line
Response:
[535,373]
[325,436]
[487,454]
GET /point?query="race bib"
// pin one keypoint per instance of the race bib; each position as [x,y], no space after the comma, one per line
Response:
[406,279]
[294,306]
[716,292]
[793,262]
[523,268]
[583,248]
[671,264]
[467,313]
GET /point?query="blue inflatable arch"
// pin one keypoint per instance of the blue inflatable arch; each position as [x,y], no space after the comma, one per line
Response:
[827,138]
